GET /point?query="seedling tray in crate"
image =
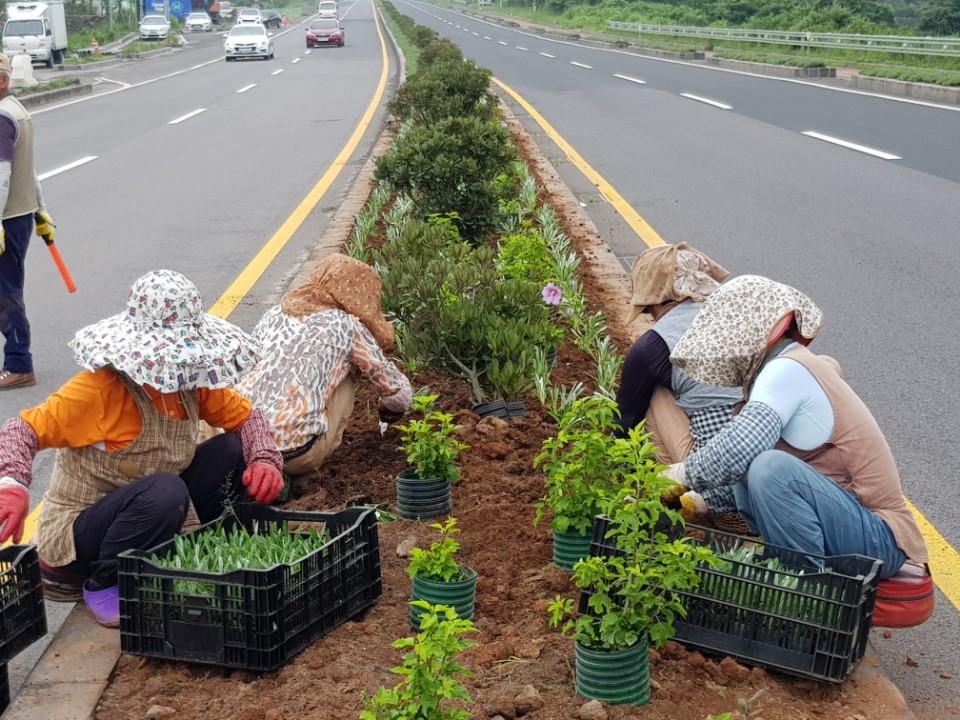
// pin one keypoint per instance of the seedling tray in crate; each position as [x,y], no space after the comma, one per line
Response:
[251,619]
[809,617]
[23,618]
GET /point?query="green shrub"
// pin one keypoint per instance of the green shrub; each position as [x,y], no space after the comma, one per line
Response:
[429,444]
[439,51]
[525,255]
[438,562]
[422,36]
[450,166]
[440,90]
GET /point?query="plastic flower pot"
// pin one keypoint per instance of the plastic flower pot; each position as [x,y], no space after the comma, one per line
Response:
[419,499]
[616,677]
[569,547]
[497,408]
[460,594]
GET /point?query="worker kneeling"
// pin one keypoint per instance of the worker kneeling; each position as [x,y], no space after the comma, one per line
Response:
[322,335]
[810,468]
[129,473]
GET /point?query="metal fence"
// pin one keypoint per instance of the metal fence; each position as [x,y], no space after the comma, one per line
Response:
[949,46]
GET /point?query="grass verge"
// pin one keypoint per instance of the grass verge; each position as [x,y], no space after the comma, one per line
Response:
[411,52]
[55,84]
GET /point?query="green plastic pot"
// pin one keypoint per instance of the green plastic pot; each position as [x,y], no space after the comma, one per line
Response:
[419,499]
[616,677]
[568,548]
[460,594]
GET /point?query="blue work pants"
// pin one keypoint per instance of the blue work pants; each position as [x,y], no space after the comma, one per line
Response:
[13,312]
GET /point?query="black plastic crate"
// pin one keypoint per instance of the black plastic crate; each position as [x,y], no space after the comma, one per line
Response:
[252,619]
[4,688]
[23,617]
[818,628]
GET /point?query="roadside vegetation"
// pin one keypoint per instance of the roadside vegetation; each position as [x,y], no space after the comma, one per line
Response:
[54,84]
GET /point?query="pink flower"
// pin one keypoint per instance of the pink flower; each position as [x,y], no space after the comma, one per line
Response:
[552,295]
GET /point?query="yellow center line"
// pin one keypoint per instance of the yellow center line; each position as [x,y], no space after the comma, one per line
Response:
[944,558]
[245,281]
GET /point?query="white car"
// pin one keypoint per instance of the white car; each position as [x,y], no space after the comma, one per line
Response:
[247,41]
[328,9]
[249,16]
[198,22]
[154,27]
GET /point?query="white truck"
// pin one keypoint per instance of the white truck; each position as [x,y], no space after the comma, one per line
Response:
[40,28]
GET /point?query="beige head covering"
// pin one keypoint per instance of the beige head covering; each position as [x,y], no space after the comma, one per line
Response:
[673,273]
[339,281]
[727,341]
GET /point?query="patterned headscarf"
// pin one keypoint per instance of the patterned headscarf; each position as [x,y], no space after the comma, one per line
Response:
[165,340]
[727,341]
[673,273]
[339,281]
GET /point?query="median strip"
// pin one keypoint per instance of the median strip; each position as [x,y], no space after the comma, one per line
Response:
[882,154]
[68,166]
[707,101]
[193,113]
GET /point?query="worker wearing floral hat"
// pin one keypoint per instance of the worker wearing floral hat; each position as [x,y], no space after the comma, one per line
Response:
[809,466]
[128,472]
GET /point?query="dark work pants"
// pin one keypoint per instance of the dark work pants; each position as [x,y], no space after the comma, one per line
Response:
[13,311]
[151,510]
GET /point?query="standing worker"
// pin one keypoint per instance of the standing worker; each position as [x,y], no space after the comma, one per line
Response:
[22,204]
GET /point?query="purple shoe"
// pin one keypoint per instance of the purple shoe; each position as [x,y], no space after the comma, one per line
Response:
[104,604]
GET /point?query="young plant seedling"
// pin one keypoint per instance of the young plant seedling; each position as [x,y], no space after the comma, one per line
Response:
[429,444]
[438,563]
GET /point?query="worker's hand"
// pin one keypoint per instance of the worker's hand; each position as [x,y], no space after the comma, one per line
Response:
[677,474]
[264,482]
[3,240]
[44,225]
[692,506]
[389,416]
[14,505]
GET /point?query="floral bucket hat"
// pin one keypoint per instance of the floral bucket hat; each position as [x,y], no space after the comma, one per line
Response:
[164,339]
[728,340]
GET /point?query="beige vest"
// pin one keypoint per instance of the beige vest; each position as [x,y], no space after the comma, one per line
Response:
[22,198]
[857,456]
[83,476]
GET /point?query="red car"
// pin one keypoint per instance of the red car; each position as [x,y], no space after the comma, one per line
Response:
[325,32]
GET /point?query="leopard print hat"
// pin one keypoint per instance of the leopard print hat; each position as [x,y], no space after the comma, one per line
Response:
[727,341]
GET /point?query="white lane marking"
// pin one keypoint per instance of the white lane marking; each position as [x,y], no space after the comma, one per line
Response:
[502,42]
[150,81]
[295,61]
[458,27]
[307,52]
[882,154]
[548,55]
[581,65]
[487,37]
[277,72]
[638,81]
[242,90]
[795,81]
[193,113]
[68,166]
[466,29]
[113,82]
[708,101]
[476,34]
[522,49]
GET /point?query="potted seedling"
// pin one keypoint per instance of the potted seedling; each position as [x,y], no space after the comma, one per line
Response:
[580,474]
[439,579]
[423,490]
[631,596]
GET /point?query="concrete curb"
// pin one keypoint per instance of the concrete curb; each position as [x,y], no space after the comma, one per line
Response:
[902,88]
[601,265]
[48,96]
[72,673]
[773,70]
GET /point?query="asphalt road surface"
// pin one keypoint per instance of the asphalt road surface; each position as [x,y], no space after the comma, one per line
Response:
[190,163]
[719,159]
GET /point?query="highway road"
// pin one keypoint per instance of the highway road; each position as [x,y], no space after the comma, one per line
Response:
[861,214]
[190,163]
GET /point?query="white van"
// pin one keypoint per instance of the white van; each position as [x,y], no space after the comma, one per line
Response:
[328,9]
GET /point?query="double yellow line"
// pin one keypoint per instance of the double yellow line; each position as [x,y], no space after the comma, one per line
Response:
[944,559]
[254,270]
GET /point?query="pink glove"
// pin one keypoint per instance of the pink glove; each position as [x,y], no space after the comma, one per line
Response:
[14,505]
[264,482]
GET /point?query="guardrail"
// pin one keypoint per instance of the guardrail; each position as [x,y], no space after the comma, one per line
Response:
[948,46]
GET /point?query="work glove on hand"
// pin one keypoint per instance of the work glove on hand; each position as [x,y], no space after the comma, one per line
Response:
[44,226]
[14,505]
[692,506]
[263,481]
[677,474]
